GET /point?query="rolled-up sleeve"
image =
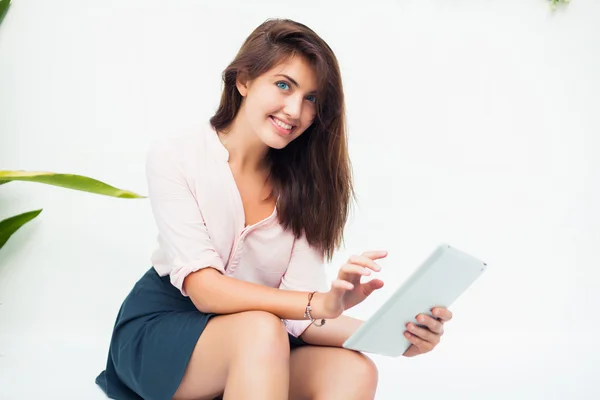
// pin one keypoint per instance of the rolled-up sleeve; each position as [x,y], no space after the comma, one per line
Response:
[184,244]
[305,272]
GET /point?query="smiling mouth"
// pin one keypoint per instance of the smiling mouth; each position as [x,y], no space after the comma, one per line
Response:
[282,124]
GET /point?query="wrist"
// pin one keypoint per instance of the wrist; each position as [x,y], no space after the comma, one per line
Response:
[317,306]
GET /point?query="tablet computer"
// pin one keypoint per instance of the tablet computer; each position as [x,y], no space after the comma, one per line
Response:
[438,282]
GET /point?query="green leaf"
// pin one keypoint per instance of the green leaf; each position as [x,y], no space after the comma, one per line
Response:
[3,7]
[12,224]
[75,182]
[554,3]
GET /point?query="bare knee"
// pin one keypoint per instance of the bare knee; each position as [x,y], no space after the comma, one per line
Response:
[356,377]
[369,373]
[241,344]
[263,334]
[364,371]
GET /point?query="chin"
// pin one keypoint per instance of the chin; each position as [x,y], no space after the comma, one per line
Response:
[276,142]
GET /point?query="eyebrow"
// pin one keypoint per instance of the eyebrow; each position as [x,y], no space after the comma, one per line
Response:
[294,82]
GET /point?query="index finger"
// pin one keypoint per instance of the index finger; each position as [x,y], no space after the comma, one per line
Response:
[376,254]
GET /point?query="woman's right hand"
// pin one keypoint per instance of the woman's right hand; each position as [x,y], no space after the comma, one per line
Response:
[347,290]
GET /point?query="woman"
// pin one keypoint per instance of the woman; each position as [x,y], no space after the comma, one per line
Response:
[237,302]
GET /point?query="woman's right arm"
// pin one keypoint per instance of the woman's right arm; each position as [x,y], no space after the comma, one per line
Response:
[196,268]
[212,292]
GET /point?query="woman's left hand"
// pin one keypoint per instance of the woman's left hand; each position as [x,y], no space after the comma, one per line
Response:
[425,338]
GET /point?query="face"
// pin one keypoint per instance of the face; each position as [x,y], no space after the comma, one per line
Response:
[279,105]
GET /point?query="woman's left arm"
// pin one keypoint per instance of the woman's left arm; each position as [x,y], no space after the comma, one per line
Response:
[423,338]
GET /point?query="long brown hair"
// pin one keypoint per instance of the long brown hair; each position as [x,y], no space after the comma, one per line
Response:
[311,176]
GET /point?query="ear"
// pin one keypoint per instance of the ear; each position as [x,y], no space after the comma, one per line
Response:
[242,83]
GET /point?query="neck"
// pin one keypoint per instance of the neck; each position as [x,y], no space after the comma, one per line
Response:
[247,152]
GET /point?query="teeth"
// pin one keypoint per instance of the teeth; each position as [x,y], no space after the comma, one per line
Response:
[282,124]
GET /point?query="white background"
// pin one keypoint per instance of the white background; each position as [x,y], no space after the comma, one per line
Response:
[473,123]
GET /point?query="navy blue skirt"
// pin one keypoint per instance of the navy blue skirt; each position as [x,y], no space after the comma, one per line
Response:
[155,333]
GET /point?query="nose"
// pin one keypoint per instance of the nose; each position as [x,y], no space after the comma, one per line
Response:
[293,107]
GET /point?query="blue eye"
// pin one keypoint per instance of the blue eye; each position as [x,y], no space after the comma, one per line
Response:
[312,99]
[282,85]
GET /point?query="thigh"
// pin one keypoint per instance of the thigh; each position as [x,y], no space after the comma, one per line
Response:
[331,373]
[225,338]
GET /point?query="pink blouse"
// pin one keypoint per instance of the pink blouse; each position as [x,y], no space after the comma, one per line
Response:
[200,219]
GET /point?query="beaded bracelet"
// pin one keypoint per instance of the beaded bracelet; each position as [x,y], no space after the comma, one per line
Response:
[307,312]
